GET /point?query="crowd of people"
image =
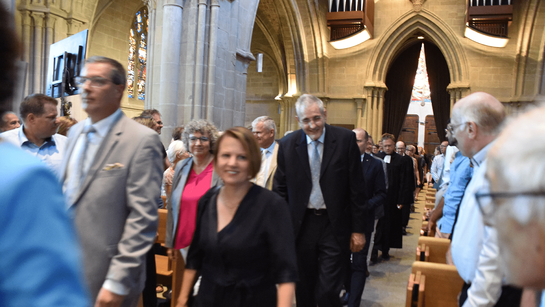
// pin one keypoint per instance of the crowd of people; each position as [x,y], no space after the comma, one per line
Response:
[259,220]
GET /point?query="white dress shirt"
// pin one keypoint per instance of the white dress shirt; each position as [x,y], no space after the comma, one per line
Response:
[437,166]
[310,148]
[474,246]
[449,157]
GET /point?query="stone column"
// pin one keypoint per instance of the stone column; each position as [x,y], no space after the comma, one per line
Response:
[381,92]
[38,51]
[283,123]
[170,64]
[49,23]
[26,19]
[359,111]
[212,54]
[199,62]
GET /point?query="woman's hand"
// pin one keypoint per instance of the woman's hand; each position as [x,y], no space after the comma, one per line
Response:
[172,254]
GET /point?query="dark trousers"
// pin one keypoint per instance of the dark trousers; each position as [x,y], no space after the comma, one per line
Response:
[322,263]
[149,294]
[510,296]
[406,214]
[358,274]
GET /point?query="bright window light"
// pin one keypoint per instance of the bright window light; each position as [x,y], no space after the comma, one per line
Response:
[484,39]
[352,40]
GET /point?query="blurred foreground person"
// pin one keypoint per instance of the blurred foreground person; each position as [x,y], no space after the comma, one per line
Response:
[40,264]
[517,201]
[243,245]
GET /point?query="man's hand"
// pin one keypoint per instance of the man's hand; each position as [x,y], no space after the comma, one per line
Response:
[431,227]
[106,298]
[357,241]
[449,257]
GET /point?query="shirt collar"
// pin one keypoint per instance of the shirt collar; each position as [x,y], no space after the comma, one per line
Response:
[270,148]
[23,139]
[321,138]
[479,157]
[103,126]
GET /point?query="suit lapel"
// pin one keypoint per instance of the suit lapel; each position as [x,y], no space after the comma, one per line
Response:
[272,166]
[74,136]
[302,152]
[365,163]
[329,148]
[108,144]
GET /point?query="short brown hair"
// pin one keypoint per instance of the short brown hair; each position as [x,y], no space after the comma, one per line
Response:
[386,136]
[117,73]
[34,104]
[249,144]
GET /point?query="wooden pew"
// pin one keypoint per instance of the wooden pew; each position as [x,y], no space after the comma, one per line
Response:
[437,285]
[168,272]
[432,249]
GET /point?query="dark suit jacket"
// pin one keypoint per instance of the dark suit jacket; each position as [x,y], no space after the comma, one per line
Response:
[341,180]
[375,187]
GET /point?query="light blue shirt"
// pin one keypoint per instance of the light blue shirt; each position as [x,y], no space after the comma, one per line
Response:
[51,151]
[310,148]
[474,246]
[460,174]
[41,262]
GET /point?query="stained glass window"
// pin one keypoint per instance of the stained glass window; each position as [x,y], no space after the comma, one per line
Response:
[421,88]
[138,55]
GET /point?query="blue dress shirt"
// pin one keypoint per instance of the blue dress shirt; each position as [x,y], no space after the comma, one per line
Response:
[51,151]
[40,264]
[460,174]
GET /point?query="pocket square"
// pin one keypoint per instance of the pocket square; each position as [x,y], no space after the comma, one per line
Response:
[112,166]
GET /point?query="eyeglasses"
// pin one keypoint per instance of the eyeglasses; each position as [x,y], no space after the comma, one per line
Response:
[315,119]
[488,203]
[451,127]
[95,81]
[194,139]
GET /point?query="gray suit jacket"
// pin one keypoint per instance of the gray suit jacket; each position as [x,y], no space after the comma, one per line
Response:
[115,211]
[181,173]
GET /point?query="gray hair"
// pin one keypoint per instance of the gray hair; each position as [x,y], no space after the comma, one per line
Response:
[512,175]
[174,149]
[306,100]
[268,123]
[203,126]
[3,118]
[483,109]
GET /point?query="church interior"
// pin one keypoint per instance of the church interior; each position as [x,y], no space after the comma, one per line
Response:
[231,61]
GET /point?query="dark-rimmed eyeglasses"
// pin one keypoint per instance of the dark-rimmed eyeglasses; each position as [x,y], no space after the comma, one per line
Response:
[488,202]
[193,139]
[95,81]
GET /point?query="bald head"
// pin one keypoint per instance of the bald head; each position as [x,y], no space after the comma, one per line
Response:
[476,121]
[481,108]
[400,147]
[361,138]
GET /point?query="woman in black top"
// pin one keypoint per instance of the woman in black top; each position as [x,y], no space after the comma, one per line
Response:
[243,244]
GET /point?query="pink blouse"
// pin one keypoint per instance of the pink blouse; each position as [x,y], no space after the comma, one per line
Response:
[195,187]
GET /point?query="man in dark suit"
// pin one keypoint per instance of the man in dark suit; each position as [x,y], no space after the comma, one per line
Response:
[399,194]
[375,188]
[319,174]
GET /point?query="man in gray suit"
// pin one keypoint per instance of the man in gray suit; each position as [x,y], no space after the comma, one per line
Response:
[112,174]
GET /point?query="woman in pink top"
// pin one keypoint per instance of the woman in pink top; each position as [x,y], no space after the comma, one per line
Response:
[192,178]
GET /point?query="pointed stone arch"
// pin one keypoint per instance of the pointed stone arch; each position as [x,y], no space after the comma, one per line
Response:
[436,30]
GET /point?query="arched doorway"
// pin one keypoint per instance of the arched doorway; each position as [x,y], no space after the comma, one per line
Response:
[399,81]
